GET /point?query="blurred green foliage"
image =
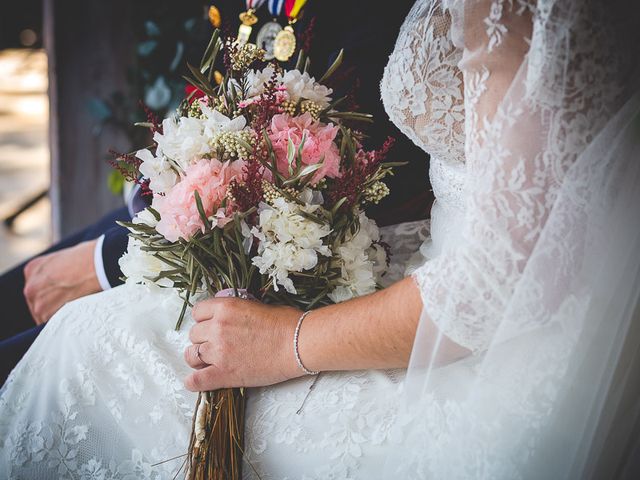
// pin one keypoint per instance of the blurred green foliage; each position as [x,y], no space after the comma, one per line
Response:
[168,34]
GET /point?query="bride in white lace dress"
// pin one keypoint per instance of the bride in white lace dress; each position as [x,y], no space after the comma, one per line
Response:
[525,109]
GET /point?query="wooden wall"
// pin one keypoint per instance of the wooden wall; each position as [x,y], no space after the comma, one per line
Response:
[90,46]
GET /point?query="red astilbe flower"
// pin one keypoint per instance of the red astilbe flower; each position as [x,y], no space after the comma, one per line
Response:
[305,38]
[351,102]
[249,192]
[152,118]
[129,167]
[351,181]
[268,105]
[378,156]
[127,164]
[145,191]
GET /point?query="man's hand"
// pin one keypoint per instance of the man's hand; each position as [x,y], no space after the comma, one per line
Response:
[59,277]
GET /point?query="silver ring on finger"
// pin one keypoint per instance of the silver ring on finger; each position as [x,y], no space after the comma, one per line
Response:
[198,353]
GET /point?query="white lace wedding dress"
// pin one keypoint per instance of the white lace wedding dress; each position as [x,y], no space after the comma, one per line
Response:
[100,393]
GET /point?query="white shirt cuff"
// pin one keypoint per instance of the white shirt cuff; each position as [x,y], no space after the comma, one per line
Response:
[98,264]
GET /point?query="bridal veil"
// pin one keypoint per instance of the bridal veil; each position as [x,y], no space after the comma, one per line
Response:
[543,283]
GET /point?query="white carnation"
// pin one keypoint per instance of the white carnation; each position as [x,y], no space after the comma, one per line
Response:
[362,262]
[256,80]
[162,177]
[302,85]
[183,140]
[298,85]
[216,122]
[140,266]
[289,242]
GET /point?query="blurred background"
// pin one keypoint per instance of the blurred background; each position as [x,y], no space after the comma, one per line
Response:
[72,75]
[24,149]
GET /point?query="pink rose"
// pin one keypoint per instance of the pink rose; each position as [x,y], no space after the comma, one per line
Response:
[318,146]
[178,210]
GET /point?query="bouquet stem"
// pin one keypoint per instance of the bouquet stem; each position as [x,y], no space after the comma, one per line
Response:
[215,448]
[217,434]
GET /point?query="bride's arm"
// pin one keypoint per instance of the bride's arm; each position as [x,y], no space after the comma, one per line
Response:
[249,344]
[379,332]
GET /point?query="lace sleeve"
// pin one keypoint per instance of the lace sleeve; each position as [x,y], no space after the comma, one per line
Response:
[523,102]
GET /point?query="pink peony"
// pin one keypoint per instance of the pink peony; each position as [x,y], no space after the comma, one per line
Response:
[318,146]
[178,210]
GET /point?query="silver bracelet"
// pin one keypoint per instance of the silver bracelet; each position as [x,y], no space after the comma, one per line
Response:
[295,346]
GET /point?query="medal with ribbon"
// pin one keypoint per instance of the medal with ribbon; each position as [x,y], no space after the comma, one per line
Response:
[269,31]
[285,42]
[248,19]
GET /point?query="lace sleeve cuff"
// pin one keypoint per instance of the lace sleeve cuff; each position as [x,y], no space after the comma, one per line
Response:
[459,318]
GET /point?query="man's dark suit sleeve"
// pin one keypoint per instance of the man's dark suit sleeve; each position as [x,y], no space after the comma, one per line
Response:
[113,246]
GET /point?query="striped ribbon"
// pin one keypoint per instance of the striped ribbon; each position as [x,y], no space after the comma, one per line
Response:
[254,4]
[292,8]
[275,7]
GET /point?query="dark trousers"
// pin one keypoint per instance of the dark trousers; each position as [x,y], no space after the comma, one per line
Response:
[17,329]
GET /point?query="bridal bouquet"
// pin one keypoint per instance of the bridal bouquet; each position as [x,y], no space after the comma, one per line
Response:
[259,185]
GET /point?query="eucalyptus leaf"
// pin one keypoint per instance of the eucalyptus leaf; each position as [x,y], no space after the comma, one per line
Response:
[337,206]
[143,124]
[203,215]
[299,152]
[361,117]
[205,85]
[334,66]
[291,155]
[333,105]
[209,54]
[155,213]
[307,170]
[302,57]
